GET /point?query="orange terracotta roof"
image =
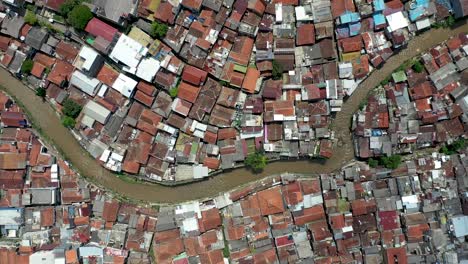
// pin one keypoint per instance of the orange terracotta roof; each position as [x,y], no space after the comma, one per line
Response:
[250,80]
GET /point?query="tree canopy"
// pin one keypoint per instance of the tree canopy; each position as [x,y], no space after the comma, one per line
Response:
[68,6]
[80,16]
[71,108]
[30,18]
[158,30]
[418,67]
[256,161]
[41,92]
[68,122]
[277,71]
[27,66]
[391,162]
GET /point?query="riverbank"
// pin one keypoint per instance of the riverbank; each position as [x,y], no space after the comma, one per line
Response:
[47,122]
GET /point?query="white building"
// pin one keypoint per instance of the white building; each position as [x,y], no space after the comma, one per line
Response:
[85,83]
[94,112]
[125,85]
[128,52]
[396,21]
[147,69]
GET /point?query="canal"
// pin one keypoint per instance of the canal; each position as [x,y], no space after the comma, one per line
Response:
[45,119]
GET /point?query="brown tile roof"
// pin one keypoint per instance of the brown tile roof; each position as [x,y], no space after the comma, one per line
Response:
[144,98]
[194,75]
[111,208]
[188,92]
[305,34]
[37,70]
[271,201]
[61,72]
[66,51]
[146,88]
[107,75]
[45,60]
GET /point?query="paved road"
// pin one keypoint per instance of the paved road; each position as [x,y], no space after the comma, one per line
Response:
[45,118]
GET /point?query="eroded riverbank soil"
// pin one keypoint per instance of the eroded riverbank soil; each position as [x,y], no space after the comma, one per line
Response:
[44,117]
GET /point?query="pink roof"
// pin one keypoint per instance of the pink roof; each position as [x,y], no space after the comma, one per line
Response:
[97,28]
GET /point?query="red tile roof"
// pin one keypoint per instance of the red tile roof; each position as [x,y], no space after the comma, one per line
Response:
[250,80]
[107,75]
[194,75]
[66,51]
[111,208]
[97,27]
[305,34]
[54,4]
[271,201]
[60,73]
[188,92]
[44,60]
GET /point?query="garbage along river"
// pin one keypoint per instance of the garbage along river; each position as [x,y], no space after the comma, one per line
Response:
[46,120]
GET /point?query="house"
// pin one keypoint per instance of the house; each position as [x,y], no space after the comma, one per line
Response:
[86,84]
[61,73]
[54,5]
[36,37]
[12,25]
[93,111]
[88,61]
[116,12]
[124,85]
[128,52]
[460,8]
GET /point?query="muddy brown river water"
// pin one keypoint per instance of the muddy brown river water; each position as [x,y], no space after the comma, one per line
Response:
[45,118]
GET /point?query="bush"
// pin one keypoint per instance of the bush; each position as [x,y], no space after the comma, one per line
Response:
[79,17]
[68,122]
[158,30]
[256,161]
[30,18]
[174,91]
[418,67]
[27,66]
[373,163]
[41,92]
[454,147]
[450,21]
[71,108]
[68,6]
[391,162]
[277,72]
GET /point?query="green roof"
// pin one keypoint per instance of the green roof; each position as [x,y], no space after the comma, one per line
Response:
[399,76]
[240,68]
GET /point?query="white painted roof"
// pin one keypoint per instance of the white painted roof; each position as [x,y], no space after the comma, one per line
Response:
[128,51]
[124,85]
[147,69]
[396,21]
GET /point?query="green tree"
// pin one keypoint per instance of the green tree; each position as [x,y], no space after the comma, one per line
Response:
[174,91]
[418,67]
[27,66]
[450,21]
[68,6]
[158,30]
[256,161]
[277,72]
[454,147]
[71,108]
[68,122]
[373,163]
[41,92]
[391,162]
[80,16]
[30,18]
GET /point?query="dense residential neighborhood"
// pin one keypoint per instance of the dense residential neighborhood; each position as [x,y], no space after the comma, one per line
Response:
[221,81]
[177,91]
[416,213]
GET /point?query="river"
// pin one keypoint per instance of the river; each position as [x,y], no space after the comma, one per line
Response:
[45,118]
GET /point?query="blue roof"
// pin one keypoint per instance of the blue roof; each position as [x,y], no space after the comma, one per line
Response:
[354,28]
[379,19]
[417,9]
[349,17]
[379,5]
[342,32]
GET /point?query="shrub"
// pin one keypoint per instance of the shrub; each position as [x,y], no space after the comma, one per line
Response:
[174,91]
[277,71]
[79,17]
[27,66]
[391,162]
[30,18]
[68,122]
[450,21]
[71,108]
[256,161]
[418,67]
[454,147]
[41,92]
[373,163]
[158,30]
